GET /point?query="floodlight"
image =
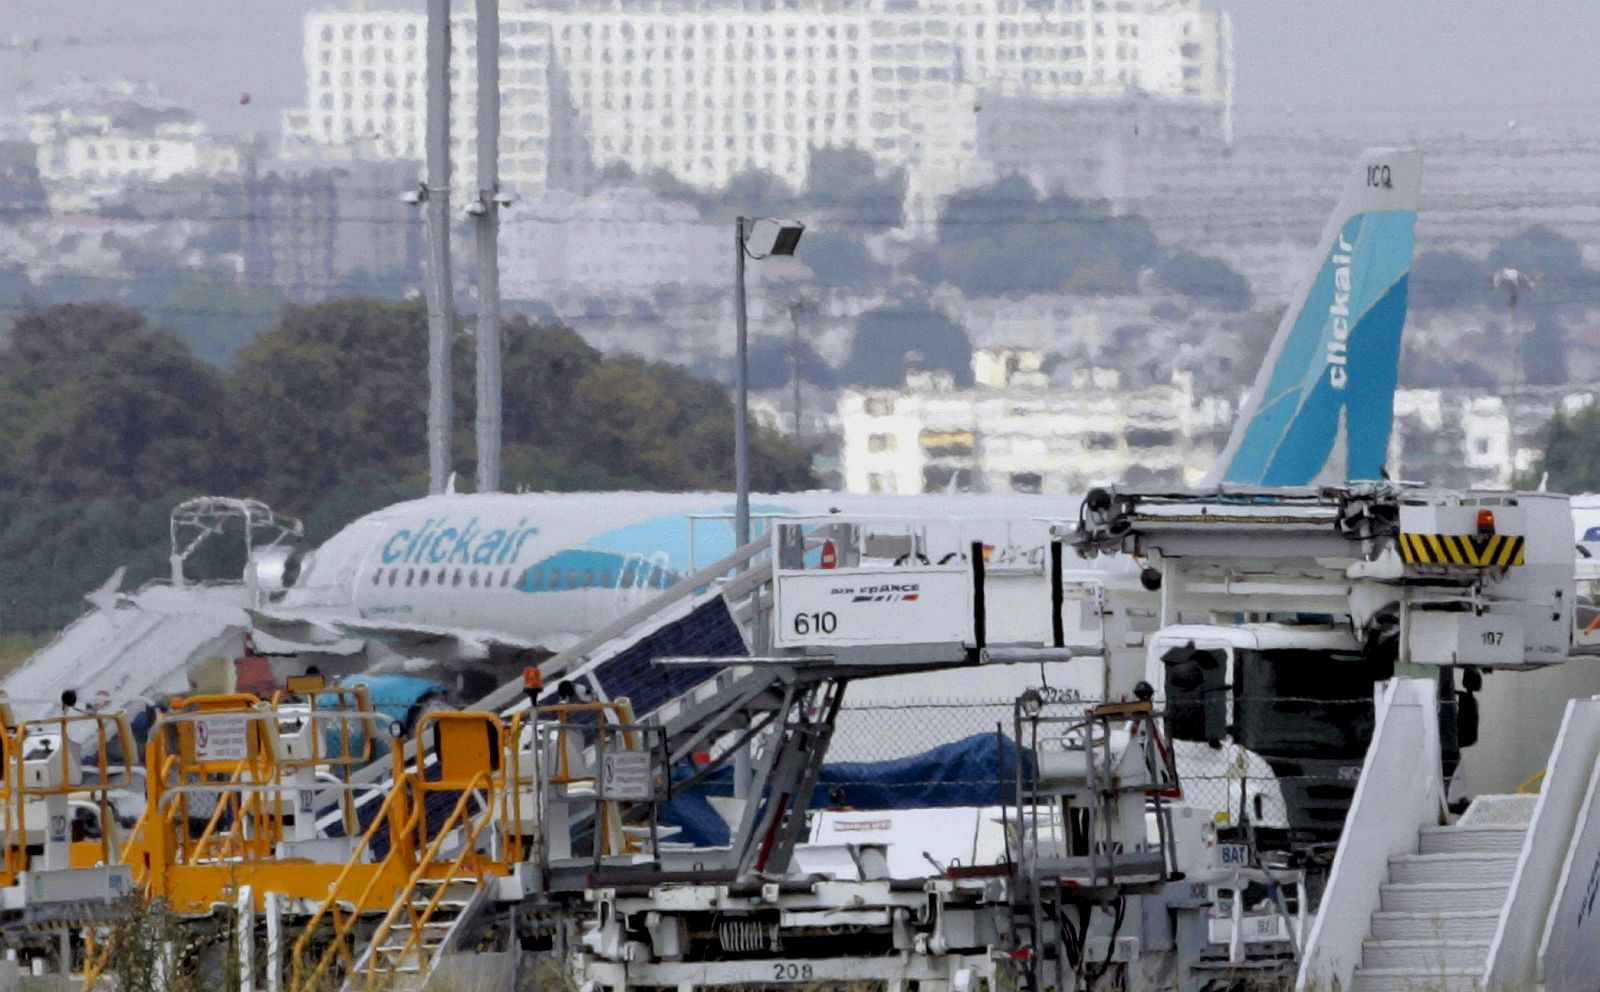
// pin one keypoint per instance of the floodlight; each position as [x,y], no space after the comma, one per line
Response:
[768,236]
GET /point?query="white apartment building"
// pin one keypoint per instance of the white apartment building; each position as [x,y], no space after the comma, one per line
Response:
[94,138]
[707,88]
[1087,430]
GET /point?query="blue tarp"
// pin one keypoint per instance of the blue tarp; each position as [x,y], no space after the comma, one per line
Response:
[975,771]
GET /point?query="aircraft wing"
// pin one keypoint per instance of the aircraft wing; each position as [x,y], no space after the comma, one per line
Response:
[321,628]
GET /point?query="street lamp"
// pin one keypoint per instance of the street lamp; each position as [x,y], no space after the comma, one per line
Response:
[1513,281]
[756,238]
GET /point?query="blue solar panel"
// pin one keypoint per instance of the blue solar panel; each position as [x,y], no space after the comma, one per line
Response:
[709,631]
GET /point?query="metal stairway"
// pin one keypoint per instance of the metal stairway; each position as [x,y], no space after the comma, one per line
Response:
[1440,905]
[408,950]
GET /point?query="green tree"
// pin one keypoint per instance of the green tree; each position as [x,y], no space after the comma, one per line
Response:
[1442,280]
[52,551]
[342,385]
[334,387]
[106,424]
[1570,455]
[1204,279]
[910,335]
[772,359]
[1004,239]
[1544,253]
[844,183]
[102,405]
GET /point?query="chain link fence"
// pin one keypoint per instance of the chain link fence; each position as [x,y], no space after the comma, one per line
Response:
[1317,746]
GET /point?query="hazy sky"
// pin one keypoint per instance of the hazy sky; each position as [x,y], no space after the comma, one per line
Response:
[1502,58]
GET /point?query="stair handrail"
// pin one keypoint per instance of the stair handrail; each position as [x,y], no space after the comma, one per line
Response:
[223,802]
[469,853]
[95,958]
[505,699]
[558,664]
[342,924]
[16,820]
[136,853]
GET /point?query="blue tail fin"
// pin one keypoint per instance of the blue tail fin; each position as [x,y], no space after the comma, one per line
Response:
[1322,404]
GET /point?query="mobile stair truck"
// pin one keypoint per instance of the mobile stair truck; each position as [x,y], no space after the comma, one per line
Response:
[1428,887]
[1276,612]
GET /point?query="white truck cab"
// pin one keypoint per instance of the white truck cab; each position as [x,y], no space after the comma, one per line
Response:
[1268,721]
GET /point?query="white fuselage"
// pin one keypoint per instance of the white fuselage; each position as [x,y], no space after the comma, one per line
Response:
[551,567]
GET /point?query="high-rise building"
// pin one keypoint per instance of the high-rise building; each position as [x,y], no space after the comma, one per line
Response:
[705,89]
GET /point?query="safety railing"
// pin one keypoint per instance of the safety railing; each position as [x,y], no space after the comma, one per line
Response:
[96,957]
[347,744]
[460,760]
[225,773]
[231,803]
[355,890]
[468,863]
[42,760]
[14,856]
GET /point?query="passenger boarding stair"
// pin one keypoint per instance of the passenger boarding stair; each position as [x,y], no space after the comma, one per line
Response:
[418,933]
[1440,906]
[1416,902]
[717,611]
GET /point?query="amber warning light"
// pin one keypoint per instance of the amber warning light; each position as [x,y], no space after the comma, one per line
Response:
[1485,523]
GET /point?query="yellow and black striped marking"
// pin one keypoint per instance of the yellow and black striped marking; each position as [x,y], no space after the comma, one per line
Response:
[1494,551]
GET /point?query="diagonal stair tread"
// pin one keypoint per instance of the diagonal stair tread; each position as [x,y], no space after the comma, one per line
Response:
[1462,857]
[1412,972]
[1445,916]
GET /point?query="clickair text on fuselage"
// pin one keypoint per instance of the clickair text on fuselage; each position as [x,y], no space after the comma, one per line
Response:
[436,543]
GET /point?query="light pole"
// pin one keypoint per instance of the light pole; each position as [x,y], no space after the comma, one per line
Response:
[758,238]
[1513,281]
[797,306]
[441,292]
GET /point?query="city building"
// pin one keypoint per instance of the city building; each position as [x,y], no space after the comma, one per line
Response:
[315,231]
[95,139]
[618,241]
[1085,429]
[705,89]
[1462,438]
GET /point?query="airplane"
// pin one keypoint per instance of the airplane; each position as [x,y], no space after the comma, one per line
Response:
[462,579]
